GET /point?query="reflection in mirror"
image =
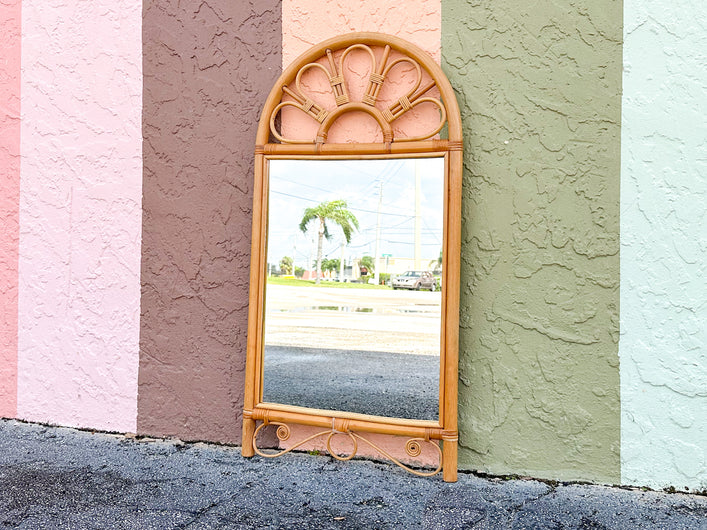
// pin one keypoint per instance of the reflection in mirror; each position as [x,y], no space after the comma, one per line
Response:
[353,304]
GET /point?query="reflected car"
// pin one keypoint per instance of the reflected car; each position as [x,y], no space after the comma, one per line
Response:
[415,280]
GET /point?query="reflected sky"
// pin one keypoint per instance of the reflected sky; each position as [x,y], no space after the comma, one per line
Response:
[299,184]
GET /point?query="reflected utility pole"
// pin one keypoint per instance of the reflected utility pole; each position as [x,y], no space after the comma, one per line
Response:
[418,217]
[376,262]
[309,262]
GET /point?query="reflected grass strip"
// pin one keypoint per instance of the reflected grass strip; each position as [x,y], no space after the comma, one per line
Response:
[296,282]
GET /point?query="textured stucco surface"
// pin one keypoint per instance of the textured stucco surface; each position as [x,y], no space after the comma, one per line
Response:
[308,22]
[10,19]
[208,68]
[79,260]
[663,345]
[539,87]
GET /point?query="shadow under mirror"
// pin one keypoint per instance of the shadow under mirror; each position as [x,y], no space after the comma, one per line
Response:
[353,303]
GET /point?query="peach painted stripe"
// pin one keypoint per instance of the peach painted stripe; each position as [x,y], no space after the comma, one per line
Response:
[80,213]
[10,18]
[308,22]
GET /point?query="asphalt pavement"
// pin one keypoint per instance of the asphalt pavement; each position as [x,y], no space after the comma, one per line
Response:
[54,477]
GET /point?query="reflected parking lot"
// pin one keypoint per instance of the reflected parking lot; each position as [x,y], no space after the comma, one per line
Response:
[371,351]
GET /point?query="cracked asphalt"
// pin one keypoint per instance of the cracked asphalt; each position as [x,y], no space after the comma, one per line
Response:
[54,477]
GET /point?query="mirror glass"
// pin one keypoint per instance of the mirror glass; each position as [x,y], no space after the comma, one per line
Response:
[365,336]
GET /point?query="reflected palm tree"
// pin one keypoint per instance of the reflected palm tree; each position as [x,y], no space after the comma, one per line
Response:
[333,211]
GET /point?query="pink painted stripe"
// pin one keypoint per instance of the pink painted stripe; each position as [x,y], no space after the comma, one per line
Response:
[10,39]
[80,213]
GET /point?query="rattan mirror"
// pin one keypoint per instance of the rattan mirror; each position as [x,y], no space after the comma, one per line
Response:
[350,117]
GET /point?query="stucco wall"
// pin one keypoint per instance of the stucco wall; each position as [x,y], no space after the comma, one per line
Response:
[208,68]
[308,22]
[539,87]
[664,245]
[10,22]
[81,177]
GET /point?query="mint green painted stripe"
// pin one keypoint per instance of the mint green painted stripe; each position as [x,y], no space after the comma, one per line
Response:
[539,85]
[663,345]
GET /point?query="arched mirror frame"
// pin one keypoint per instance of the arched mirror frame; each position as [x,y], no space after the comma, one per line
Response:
[257,413]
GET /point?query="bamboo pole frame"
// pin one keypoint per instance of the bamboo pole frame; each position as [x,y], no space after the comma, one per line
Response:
[255,410]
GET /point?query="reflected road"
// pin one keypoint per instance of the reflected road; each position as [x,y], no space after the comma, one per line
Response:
[371,351]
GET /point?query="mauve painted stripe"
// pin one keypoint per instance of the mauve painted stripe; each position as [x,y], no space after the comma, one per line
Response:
[208,69]
[79,260]
[10,40]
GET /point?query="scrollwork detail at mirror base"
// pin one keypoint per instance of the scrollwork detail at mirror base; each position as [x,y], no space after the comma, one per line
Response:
[413,446]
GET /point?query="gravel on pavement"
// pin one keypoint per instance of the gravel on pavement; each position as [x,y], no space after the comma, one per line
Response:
[53,477]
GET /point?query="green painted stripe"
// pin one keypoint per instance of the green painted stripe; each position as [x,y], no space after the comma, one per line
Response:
[539,86]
